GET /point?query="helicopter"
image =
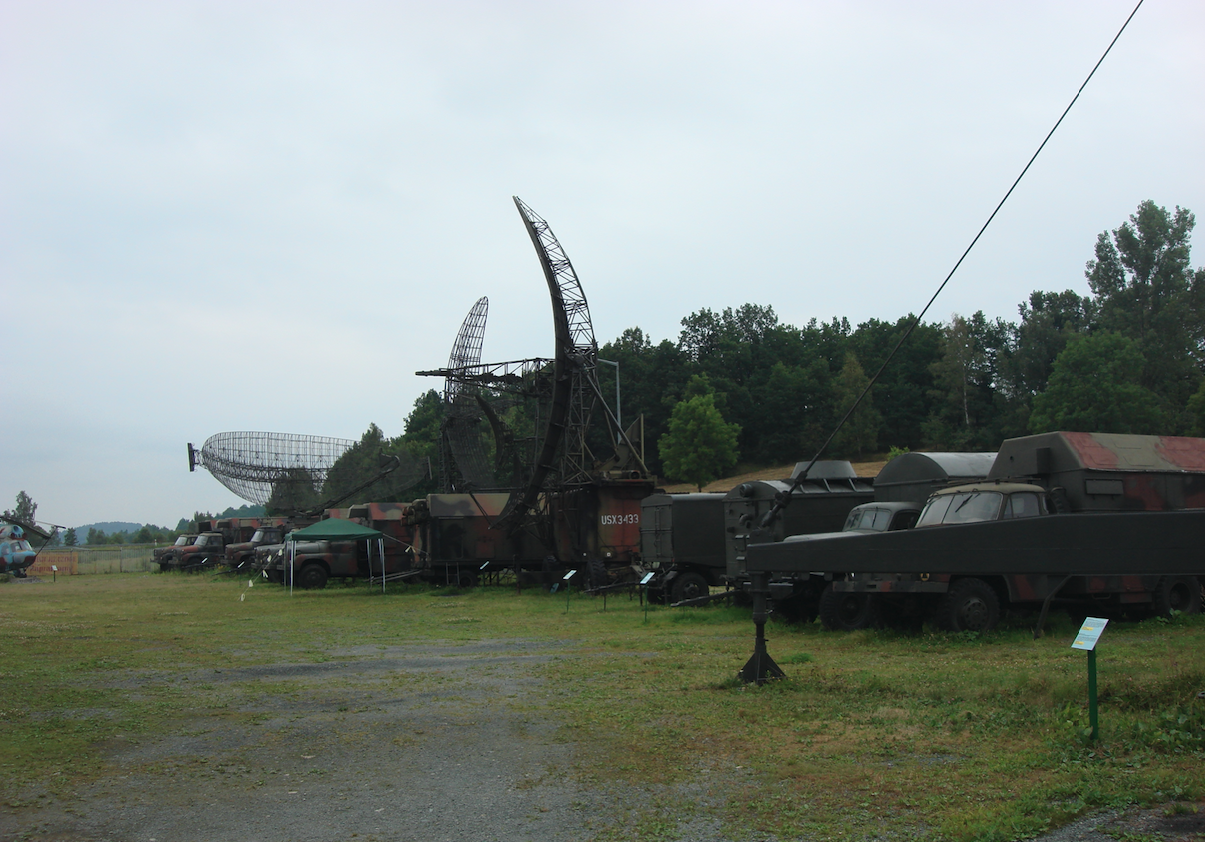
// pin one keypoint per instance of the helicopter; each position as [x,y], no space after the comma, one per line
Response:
[16,555]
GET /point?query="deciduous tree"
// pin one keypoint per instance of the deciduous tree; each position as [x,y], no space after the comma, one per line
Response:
[1095,387]
[700,444]
[1146,291]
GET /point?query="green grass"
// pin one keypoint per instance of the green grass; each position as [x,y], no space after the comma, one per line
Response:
[871,734]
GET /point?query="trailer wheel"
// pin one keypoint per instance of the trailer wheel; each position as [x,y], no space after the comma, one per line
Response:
[1177,593]
[840,611]
[312,576]
[970,605]
[688,586]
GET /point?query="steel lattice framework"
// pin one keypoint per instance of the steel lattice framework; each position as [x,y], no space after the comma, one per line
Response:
[563,390]
[253,464]
[463,461]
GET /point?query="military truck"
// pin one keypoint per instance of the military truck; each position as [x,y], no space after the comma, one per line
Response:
[205,550]
[1100,522]
[241,555]
[169,559]
[311,564]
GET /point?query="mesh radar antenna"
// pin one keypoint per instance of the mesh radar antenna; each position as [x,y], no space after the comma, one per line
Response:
[253,465]
[286,469]
[463,461]
[562,392]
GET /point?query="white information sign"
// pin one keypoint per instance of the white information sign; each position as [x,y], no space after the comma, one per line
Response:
[1089,633]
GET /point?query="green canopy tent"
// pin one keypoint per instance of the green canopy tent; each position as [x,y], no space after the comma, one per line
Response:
[337,529]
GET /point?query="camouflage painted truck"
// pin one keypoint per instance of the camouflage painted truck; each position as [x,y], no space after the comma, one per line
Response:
[240,555]
[311,564]
[1098,522]
[163,556]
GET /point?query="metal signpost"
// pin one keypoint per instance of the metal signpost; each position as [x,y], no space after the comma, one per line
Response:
[1086,639]
[644,593]
[566,579]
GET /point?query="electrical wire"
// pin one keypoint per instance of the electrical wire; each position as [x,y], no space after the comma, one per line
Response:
[784,497]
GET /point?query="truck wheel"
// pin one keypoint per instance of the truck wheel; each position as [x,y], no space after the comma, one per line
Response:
[1177,593]
[847,612]
[312,576]
[970,605]
[688,586]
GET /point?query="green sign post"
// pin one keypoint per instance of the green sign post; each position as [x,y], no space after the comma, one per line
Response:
[1086,639]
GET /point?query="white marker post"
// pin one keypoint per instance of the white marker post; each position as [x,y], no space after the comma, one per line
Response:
[1086,639]
[566,579]
[644,593]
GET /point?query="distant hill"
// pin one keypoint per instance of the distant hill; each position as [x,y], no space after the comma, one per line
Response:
[108,527]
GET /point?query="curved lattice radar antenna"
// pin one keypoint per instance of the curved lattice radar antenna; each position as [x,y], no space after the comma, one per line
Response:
[463,420]
[252,465]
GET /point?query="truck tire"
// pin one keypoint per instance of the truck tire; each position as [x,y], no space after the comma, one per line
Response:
[312,576]
[688,586]
[970,605]
[847,612]
[1177,593]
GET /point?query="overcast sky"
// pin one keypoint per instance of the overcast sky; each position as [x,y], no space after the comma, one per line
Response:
[220,216]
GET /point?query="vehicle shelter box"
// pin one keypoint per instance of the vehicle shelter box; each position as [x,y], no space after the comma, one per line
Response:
[912,477]
[1109,471]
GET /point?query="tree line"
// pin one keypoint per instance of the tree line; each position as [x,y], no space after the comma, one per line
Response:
[740,385]
[1128,358]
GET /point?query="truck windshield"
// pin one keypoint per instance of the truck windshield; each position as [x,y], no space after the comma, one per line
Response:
[875,520]
[965,507]
[258,537]
[181,542]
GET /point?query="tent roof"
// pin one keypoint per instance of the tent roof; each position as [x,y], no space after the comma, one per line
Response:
[334,529]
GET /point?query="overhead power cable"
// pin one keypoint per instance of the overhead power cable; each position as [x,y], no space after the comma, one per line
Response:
[781,502]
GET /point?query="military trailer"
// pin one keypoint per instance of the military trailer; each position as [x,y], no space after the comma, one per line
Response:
[682,537]
[695,541]
[598,527]
[1102,522]
[454,537]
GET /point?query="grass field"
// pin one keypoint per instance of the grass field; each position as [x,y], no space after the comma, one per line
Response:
[871,735]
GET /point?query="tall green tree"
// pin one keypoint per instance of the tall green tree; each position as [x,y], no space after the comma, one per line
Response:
[1096,387]
[904,391]
[1147,291]
[965,378]
[69,537]
[700,444]
[859,435]
[25,509]
[651,378]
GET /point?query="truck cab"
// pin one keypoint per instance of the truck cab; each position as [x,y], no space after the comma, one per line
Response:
[984,502]
[243,553]
[206,549]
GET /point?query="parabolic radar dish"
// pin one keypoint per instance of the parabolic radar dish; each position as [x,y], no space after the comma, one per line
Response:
[253,465]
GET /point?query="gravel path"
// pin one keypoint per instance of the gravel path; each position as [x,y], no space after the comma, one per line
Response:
[427,742]
[405,743]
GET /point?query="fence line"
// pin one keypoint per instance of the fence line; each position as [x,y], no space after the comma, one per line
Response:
[90,560]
